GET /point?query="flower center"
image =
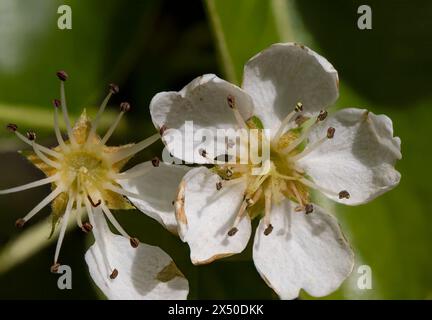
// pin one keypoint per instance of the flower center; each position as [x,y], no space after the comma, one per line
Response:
[283,179]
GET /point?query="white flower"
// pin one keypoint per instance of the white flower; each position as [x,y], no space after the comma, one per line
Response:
[349,157]
[85,177]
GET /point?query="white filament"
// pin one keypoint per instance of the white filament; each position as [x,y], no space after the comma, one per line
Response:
[31,185]
[64,224]
[43,203]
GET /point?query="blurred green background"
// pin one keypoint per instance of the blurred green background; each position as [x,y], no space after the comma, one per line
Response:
[155,45]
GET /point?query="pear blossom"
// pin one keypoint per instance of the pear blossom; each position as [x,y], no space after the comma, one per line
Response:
[347,156]
[86,178]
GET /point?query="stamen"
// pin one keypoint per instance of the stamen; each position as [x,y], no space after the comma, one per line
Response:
[40,206]
[312,185]
[297,194]
[20,223]
[99,241]
[31,185]
[114,274]
[114,222]
[322,115]
[12,127]
[267,208]
[125,153]
[124,107]
[155,162]
[239,216]
[232,231]
[330,134]
[344,194]
[268,230]
[94,204]
[54,268]
[218,185]
[87,227]
[134,242]
[63,77]
[40,147]
[113,89]
[32,136]
[247,202]
[64,224]
[232,104]
[59,137]
[308,208]
[298,108]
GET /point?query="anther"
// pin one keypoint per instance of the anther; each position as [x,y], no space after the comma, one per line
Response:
[12,127]
[20,223]
[268,230]
[344,194]
[232,231]
[298,107]
[322,115]
[330,132]
[309,208]
[114,88]
[31,135]
[87,227]
[231,101]
[95,205]
[155,162]
[114,274]
[54,268]
[202,153]
[125,106]
[162,129]
[218,185]
[62,75]
[57,103]
[134,242]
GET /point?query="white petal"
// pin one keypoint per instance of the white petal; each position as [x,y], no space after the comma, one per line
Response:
[144,273]
[302,251]
[208,214]
[359,159]
[157,189]
[203,101]
[285,74]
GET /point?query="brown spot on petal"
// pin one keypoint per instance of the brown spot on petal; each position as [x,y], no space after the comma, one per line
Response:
[169,272]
